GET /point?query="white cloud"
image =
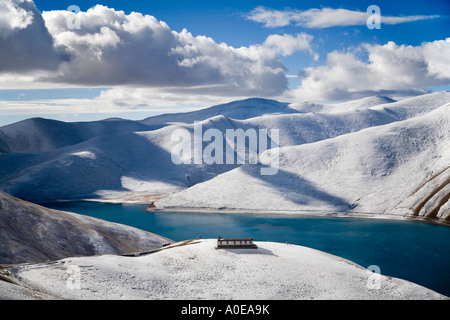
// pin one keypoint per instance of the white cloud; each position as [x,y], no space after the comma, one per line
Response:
[147,64]
[167,97]
[287,44]
[390,69]
[113,48]
[322,18]
[25,43]
[13,17]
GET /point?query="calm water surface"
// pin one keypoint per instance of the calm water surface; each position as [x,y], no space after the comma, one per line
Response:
[415,251]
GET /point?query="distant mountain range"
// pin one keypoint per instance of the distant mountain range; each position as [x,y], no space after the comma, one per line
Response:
[369,156]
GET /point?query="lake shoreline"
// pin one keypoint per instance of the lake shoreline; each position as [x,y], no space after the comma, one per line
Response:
[147,200]
[303,213]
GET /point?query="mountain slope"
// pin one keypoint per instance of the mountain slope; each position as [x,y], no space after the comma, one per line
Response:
[31,233]
[374,170]
[130,162]
[39,135]
[359,104]
[124,162]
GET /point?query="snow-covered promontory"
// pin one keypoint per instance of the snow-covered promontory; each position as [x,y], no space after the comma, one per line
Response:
[197,270]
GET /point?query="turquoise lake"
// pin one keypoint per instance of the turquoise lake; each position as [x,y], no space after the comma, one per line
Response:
[410,250]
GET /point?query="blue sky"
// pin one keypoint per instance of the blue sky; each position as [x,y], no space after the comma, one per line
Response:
[107,70]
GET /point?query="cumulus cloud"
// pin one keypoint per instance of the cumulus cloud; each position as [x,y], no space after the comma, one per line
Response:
[113,48]
[13,17]
[322,18]
[287,44]
[25,43]
[390,69]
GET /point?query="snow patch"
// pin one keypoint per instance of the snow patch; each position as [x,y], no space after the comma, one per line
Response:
[84,155]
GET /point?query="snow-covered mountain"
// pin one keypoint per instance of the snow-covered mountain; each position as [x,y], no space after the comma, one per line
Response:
[359,104]
[31,233]
[129,162]
[39,135]
[385,169]
[243,109]
[369,155]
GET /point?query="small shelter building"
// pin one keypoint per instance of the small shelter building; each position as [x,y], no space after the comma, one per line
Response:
[236,243]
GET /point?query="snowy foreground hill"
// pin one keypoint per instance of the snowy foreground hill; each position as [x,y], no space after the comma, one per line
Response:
[197,270]
[371,156]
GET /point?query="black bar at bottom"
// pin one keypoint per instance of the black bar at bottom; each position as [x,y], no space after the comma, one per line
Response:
[234,309]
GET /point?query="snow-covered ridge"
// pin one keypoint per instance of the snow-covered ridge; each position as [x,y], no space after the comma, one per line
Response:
[243,109]
[197,270]
[359,104]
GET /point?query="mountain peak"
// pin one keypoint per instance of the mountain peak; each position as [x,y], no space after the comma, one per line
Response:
[383,98]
